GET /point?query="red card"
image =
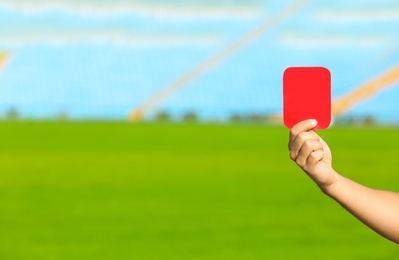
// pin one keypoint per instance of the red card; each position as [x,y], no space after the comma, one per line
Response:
[307,95]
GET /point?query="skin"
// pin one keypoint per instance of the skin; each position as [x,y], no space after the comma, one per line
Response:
[378,209]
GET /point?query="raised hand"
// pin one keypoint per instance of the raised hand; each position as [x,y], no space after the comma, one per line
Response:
[311,153]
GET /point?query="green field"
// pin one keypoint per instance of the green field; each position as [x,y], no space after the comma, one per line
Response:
[123,191]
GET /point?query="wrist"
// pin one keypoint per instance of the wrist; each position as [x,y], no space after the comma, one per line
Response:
[331,188]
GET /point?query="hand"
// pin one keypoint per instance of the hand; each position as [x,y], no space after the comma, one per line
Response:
[312,154]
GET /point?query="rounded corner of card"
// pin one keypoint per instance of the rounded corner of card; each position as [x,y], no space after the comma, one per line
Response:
[326,70]
[287,71]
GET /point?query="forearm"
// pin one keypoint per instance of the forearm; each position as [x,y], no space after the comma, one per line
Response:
[376,208]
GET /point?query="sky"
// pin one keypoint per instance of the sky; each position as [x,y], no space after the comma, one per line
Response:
[102,58]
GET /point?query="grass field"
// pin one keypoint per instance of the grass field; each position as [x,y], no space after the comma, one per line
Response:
[121,191]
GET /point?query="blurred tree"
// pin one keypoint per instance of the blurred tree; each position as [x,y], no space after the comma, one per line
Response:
[190,117]
[162,116]
[62,115]
[274,119]
[257,118]
[369,121]
[352,121]
[12,114]
[342,120]
[355,121]
[236,118]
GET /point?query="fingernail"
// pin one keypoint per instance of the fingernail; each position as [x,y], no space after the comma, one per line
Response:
[313,122]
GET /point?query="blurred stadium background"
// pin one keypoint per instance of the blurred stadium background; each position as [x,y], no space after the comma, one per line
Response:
[79,180]
[104,59]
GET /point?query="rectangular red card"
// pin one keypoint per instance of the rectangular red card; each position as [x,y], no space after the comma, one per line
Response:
[307,95]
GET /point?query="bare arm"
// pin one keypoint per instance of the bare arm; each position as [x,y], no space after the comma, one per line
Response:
[376,208]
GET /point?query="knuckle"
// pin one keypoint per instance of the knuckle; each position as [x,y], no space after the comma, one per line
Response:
[293,133]
[313,135]
[308,144]
[317,155]
[292,156]
[313,156]
[302,136]
[301,163]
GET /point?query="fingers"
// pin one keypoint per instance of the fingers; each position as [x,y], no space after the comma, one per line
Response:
[300,140]
[309,153]
[314,158]
[306,147]
[303,126]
